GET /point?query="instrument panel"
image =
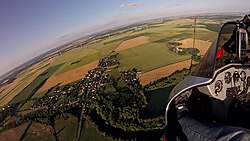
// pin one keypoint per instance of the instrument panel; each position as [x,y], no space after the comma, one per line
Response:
[230,81]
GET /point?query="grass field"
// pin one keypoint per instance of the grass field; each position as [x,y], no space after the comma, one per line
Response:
[66,128]
[132,43]
[83,55]
[27,105]
[87,54]
[148,57]
[39,132]
[39,94]
[35,85]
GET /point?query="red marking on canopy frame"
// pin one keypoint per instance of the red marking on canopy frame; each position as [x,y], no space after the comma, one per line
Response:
[220,53]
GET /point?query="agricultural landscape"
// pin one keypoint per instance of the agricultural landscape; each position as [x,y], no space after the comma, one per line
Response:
[109,86]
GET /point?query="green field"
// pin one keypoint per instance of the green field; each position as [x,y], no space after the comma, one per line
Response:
[83,55]
[27,105]
[66,128]
[148,57]
[34,85]
[38,95]
[87,54]
[156,53]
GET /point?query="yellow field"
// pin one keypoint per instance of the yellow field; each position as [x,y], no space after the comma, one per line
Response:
[67,77]
[199,44]
[23,80]
[153,75]
[132,43]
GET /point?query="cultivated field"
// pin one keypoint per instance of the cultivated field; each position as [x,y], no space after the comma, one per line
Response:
[31,89]
[67,77]
[132,43]
[149,57]
[199,44]
[27,105]
[153,75]
[156,53]
[22,81]
[79,57]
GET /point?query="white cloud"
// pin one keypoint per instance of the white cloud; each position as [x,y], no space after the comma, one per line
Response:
[122,5]
[129,5]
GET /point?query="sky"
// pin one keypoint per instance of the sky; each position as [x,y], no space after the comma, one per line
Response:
[31,27]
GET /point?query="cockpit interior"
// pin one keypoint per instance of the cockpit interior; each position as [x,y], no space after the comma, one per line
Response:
[220,84]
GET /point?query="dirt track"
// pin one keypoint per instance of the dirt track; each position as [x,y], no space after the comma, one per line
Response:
[132,43]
